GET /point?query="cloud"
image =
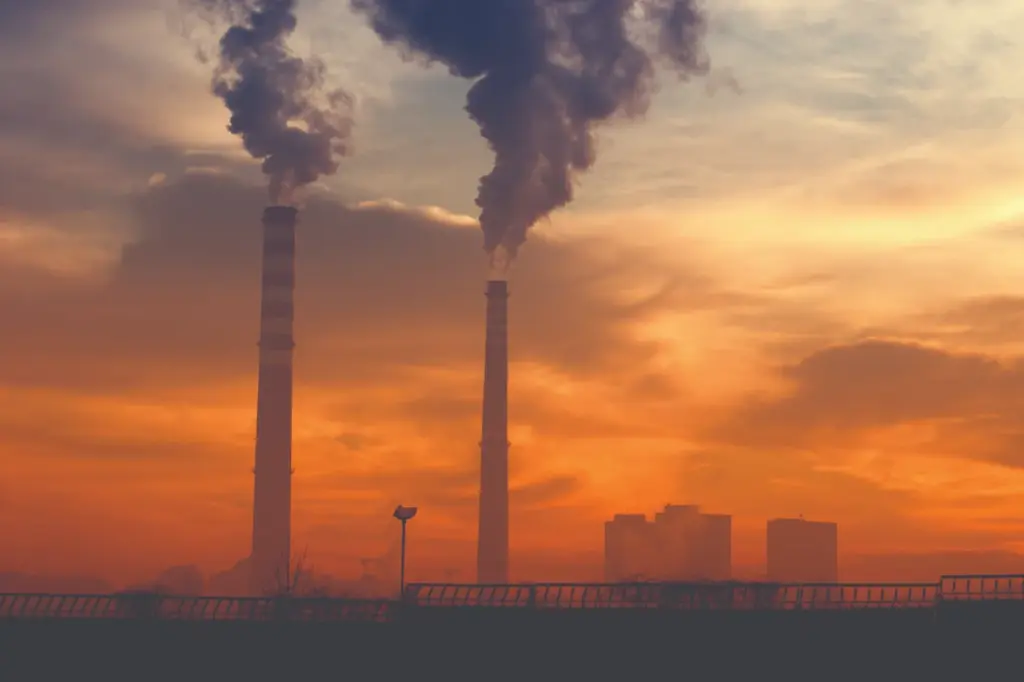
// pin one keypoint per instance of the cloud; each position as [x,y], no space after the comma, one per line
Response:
[989,322]
[889,108]
[721,477]
[382,290]
[93,115]
[843,397]
[872,106]
[155,361]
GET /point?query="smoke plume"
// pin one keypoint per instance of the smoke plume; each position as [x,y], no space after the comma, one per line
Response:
[279,103]
[545,72]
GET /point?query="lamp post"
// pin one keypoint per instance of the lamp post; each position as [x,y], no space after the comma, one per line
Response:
[403,514]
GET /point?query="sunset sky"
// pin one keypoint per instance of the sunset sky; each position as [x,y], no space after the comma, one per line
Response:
[796,287]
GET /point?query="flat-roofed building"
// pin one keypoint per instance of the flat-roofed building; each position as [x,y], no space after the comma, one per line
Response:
[680,544]
[679,529]
[629,548]
[717,547]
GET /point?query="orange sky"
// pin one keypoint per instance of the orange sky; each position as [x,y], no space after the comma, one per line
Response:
[801,297]
[638,379]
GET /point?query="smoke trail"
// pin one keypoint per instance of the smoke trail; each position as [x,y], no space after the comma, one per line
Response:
[279,103]
[546,72]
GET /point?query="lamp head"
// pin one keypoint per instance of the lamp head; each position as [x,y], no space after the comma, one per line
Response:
[404,513]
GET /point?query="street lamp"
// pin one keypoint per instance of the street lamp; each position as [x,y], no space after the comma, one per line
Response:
[403,514]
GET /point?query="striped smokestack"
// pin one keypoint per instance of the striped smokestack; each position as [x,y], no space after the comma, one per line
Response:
[272,499]
[492,540]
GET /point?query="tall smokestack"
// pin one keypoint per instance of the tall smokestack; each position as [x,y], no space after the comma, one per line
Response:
[492,540]
[272,499]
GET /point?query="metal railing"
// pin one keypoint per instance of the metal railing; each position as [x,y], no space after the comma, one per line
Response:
[709,596]
[981,587]
[731,596]
[154,606]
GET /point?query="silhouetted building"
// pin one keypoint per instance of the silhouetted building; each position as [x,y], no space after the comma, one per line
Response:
[801,551]
[630,548]
[492,531]
[272,498]
[717,548]
[680,544]
[680,531]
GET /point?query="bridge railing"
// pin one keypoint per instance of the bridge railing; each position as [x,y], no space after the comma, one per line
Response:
[981,587]
[731,596]
[679,596]
[163,607]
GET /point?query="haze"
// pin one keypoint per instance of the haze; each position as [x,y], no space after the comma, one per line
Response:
[795,288]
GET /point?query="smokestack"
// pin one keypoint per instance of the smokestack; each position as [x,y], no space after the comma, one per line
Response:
[272,499]
[492,540]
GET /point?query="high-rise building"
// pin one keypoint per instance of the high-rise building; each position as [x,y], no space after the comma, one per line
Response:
[629,548]
[680,531]
[680,544]
[801,551]
[717,549]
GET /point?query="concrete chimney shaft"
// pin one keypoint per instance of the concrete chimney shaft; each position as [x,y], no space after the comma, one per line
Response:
[492,539]
[272,499]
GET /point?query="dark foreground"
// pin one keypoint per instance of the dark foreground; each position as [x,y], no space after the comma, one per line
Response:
[954,642]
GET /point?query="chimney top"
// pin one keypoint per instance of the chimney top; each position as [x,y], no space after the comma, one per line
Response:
[280,215]
[497,287]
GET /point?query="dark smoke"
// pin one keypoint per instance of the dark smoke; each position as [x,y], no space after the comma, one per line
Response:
[279,104]
[546,72]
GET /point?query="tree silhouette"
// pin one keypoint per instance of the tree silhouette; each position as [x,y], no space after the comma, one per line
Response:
[288,581]
[293,583]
